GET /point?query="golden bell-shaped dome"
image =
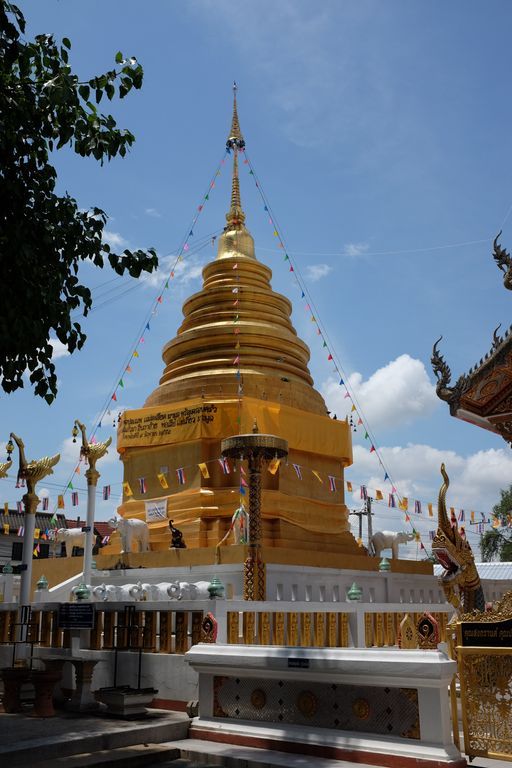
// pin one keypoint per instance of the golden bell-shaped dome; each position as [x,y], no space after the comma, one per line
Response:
[237,317]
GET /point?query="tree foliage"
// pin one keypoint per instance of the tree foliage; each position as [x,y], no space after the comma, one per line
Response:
[44,236]
[496,544]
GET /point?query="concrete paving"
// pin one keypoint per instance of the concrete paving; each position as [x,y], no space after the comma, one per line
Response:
[159,739]
[27,740]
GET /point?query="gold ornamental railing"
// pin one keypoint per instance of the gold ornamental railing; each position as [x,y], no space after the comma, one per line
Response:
[481,643]
[333,625]
[169,629]
[161,630]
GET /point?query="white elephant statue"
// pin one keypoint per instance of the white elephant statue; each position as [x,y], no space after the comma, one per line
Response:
[74,537]
[104,592]
[164,590]
[131,530]
[389,540]
[184,590]
[122,593]
[130,592]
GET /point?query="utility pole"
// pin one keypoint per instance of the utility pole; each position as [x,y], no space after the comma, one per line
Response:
[366,511]
[369,515]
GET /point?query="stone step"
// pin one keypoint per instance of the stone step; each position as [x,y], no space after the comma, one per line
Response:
[198,753]
[29,741]
[134,756]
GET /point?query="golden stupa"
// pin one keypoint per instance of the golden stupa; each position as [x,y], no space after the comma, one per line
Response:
[236,360]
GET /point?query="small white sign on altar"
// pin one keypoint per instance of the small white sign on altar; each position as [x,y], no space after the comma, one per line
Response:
[156,511]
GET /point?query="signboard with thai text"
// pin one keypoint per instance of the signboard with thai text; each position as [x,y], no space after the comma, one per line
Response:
[76,616]
[496,634]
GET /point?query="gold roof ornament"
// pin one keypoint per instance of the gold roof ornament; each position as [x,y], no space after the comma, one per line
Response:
[235,239]
[235,138]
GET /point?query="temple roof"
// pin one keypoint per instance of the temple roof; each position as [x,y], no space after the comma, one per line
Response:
[483,396]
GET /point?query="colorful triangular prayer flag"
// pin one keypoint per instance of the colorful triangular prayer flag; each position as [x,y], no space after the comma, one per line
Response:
[204,470]
[224,465]
[180,474]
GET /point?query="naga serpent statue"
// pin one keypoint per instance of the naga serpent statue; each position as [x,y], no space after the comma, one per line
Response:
[453,552]
[504,262]
[35,470]
[443,374]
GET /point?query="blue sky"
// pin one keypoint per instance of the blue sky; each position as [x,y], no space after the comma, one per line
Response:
[380,133]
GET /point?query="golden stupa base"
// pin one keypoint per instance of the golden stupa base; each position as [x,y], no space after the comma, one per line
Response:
[233,554]
[57,570]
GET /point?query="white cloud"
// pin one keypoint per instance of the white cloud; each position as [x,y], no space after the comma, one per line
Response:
[153,212]
[70,453]
[185,271]
[59,349]
[111,417]
[114,239]
[355,249]
[394,395]
[475,480]
[315,272]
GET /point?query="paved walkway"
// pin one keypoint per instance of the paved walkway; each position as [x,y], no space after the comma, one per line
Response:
[27,740]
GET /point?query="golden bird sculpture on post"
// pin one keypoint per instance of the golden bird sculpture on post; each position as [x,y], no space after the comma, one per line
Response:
[92,452]
[33,471]
[5,467]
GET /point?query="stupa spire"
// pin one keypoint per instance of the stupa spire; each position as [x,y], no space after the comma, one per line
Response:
[235,138]
[235,142]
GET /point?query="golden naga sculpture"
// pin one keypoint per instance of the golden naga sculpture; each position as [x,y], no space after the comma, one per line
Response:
[455,555]
[504,262]
[5,467]
[33,471]
[443,375]
[92,452]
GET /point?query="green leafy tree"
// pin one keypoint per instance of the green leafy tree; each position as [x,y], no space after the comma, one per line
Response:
[45,236]
[496,544]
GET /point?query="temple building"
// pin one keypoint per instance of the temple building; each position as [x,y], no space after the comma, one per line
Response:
[483,396]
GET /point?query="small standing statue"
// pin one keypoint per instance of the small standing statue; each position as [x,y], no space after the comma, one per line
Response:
[239,526]
[177,538]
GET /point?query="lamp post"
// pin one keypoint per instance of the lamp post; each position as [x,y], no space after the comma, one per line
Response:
[31,472]
[257,449]
[91,452]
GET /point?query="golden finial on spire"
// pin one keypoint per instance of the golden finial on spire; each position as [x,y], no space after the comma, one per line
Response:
[235,138]
[235,142]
